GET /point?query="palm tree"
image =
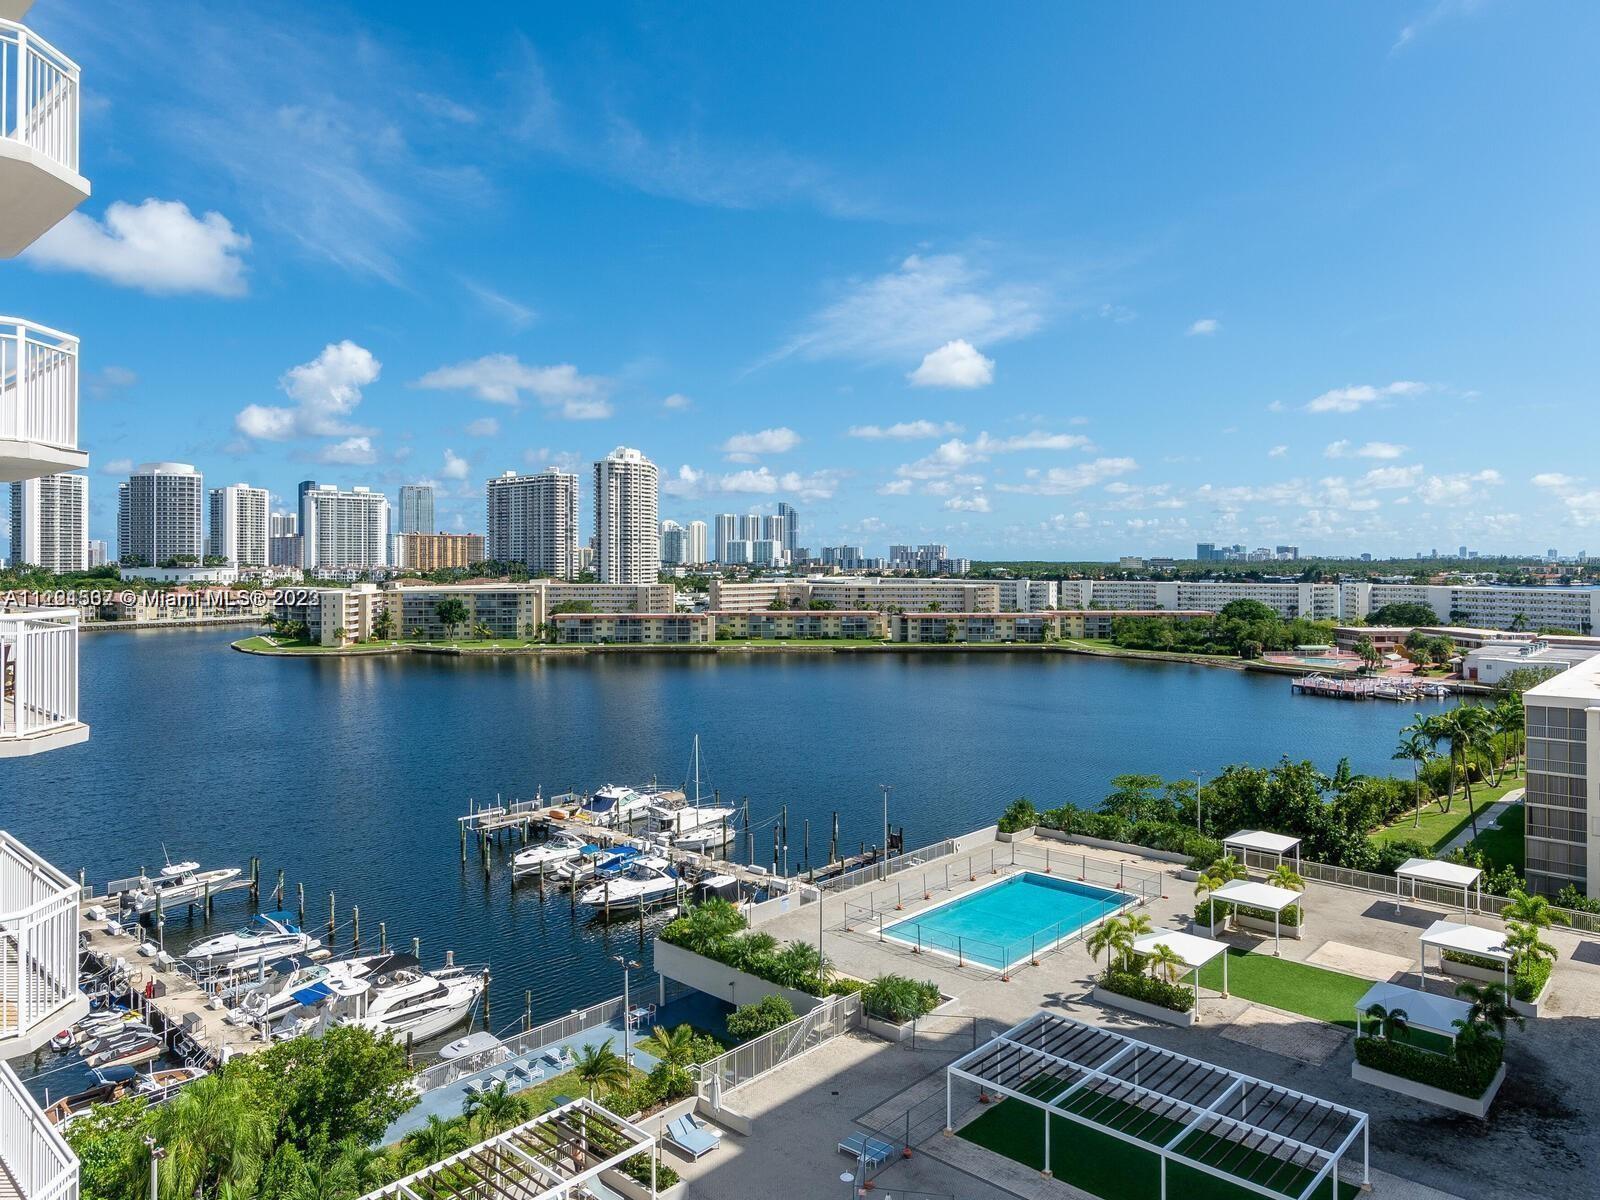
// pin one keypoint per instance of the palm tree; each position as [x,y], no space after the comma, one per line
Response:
[1436,729]
[1287,878]
[1528,910]
[1415,748]
[799,965]
[1390,1021]
[435,1141]
[1508,723]
[601,1066]
[1524,944]
[1163,960]
[1224,870]
[214,1133]
[1474,733]
[495,1109]
[1104,939]
[366,1167]
[1129,929]
[1491,1010]
[672,1046]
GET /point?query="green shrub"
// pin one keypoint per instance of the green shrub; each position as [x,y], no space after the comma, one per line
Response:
[752,1020]
[637,1169]
[1147,989]
[1019,814]
[1528,975]
[1467,1073]
[897,999]
[1290,918]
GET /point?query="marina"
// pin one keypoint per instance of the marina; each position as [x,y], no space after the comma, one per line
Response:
[1370,687]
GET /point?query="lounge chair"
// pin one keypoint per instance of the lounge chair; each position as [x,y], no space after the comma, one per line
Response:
[559,1057]
[869,1150]
[693,1137]
[526,1074]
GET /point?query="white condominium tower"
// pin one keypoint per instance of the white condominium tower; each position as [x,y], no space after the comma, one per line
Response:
[728,530]
[343,531]
[416,508]
[159,515]
[533,520]
[50,523]
[626,525]
[239,515]
[695,535]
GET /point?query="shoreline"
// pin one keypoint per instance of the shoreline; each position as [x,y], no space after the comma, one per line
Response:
[798,647]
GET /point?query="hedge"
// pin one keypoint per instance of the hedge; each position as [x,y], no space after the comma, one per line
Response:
[1290,917]
[1528,976]
[898,999]
[1465,1073]
[1147,989]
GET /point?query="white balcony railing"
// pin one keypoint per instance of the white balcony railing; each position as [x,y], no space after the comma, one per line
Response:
[38,946]
[38,95]
[38,398]
[37,1159]
[38,682]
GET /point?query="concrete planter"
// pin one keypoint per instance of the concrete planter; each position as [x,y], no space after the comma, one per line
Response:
[1020,835]
[1154,1012]
[1478,1107]
[1056,835]
[898,1033]
[624,1185]
[1527,1008]
[716,979]
[1297,932]
[1210,931]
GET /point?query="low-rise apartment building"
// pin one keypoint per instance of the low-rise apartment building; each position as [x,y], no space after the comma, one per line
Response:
[639,629]
[802,624]
[1487,607]
[1019,627]
[1310,601]
[857,592]
[1491,664]
[1562,840]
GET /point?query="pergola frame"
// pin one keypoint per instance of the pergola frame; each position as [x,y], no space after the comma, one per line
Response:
[1442,874]
[1463,939]
[1263,842]
[1195,952]
[1172,1087]
[1238,892]
[547,1158]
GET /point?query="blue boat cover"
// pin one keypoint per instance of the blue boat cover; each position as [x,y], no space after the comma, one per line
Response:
[311,995]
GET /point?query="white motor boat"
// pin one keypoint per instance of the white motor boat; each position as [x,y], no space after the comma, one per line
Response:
[695,826]
[547,855]
[648,880]
[295,984]
[273,935]
[615,805]
[417,1004]
[177,883]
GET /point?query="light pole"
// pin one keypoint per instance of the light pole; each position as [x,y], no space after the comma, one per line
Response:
[628,965]
[1197,774]
[157,1153]
[886,788]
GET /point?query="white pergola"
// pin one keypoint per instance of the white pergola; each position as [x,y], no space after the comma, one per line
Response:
[1423,1010]
[1465,939]
[1256,1135]
[1242,892]
[1262,842]
[1195,951]
[1443,874]
[555,1156]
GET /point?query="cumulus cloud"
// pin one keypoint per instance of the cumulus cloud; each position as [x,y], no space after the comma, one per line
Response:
[928,300]
[1553,480]
[352,451]
[1344,448]
[158,246]
[503,378]
[455,467]
[1355,397]
[760,481]
[1204,327]
[956,454]
[897,487]
[955,364]
[677,402]
[1381,478]
[747,447]
[1277,452]
[1059,481]
[326,391]
[976,502]
[1456,489]
[483,427]
[904,430]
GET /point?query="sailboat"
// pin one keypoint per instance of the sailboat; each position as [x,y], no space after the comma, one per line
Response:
[691,823]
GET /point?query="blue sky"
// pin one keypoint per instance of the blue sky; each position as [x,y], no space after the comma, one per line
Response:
[1055,281]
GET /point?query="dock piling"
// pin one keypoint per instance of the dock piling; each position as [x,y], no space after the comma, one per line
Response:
[331,924]
[527,1011]
[383,937]
[355,917]
[255,879]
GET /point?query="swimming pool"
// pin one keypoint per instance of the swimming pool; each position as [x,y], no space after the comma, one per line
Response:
[1004,923]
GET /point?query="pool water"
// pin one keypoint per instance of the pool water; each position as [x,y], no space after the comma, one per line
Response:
[1006,922]
[1327,661]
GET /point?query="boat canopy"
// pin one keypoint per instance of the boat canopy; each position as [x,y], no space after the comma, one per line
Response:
[314,994]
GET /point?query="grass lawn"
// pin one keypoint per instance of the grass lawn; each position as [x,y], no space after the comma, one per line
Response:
[543,1095]
[1117,1170]
[1501,844]
[1435,829]
[1295,987]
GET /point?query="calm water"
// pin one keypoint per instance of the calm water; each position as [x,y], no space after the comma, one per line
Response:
[1009,921]
[349,773]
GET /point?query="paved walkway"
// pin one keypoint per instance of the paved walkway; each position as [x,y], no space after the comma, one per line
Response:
[1488,819]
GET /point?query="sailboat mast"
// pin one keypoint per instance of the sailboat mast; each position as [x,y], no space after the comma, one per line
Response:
[697,770]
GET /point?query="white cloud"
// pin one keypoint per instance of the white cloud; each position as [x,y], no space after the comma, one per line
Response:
[116,466]
[747,447]
[926,300]
[955,364]
[955,454]
[759,481]
[677,402]
[1277,452]
[1355,397]
[898,487]
[904,430]
[1344,448]
[158,246]
[1058,481]
[1553,480]
[353,451]
[455,467]
[977,502]
[513,313]
[1382,478]
[326,390]
[503,378]
[483,427]
[1456,489]
[1584,507]
[1204,327]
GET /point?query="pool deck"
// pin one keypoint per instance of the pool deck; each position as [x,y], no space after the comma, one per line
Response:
[1540,1140]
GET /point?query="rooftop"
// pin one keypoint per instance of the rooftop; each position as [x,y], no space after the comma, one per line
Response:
[1581,682]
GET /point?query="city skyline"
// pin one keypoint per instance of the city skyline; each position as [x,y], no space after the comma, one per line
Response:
[1070,334]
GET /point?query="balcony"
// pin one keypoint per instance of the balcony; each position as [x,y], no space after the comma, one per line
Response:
[39,180]
[39,994]
[35,1161]
[38,401]
[38,692]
